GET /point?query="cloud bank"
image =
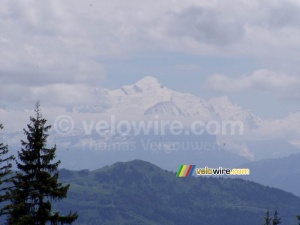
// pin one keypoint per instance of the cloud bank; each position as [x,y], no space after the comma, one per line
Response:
[48,46]
[279,84]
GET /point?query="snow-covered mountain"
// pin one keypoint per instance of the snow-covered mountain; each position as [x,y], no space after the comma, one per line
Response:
[226,110]
[149,96]
[147,93]
[144,101]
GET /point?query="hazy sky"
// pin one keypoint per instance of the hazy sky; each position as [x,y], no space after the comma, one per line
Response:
[55,50]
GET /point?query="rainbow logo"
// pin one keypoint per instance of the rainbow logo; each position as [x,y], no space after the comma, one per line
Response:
[186,171]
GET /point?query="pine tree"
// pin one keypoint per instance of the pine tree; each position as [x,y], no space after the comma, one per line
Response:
[36,183]
[298,217]
[276,220]
[268,219]
[5,173]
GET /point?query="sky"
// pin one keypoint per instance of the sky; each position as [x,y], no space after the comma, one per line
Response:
[56,50]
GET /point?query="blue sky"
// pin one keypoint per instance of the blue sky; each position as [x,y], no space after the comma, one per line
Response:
[56,50]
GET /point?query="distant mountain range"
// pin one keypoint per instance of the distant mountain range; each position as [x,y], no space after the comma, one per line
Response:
[149,96]
[283,173]
[150,100]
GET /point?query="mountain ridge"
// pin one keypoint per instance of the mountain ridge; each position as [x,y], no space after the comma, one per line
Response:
[148,100]
[283,173]
[138,192]
[149,91]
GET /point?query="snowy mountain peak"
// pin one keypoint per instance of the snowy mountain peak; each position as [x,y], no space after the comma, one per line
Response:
[148,83]
[149,97]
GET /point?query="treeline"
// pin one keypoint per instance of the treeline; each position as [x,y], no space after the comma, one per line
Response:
[28,193]
[275,220]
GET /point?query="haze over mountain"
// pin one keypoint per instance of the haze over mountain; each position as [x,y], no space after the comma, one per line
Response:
[149,102]
[283,173]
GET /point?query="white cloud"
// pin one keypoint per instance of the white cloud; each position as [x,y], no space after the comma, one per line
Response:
[46,43]
[206,25]
[261,80]
[43,49]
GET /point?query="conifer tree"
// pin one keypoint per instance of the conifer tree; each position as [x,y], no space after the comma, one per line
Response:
[36,183]
[276,220]
[268,219]
[5,173]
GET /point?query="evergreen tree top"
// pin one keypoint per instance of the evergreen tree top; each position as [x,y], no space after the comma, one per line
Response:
[36,183]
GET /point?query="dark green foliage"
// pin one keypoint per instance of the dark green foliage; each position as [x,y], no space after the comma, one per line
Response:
[268,219]
[36,182]
[5,173]
[276,220]
[138,192]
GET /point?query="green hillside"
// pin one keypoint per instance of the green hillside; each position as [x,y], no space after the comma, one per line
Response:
[137,192]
